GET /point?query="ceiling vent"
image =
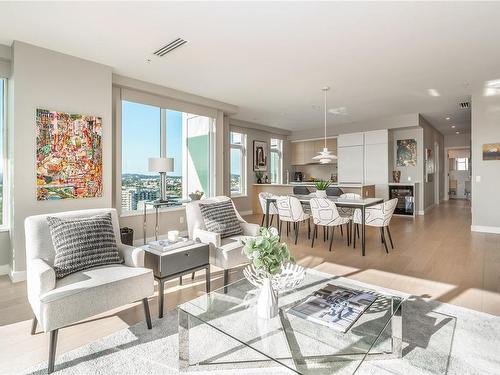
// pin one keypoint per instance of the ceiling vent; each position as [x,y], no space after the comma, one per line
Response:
[170,47]
[464,105]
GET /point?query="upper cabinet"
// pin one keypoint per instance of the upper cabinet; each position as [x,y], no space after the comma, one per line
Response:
[302,152]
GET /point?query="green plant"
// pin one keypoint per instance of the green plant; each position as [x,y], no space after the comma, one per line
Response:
[259,175]
[322,185]
[266,252]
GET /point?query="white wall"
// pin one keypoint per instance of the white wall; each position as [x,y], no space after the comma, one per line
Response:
[485,193]
[391,122]
[45,79]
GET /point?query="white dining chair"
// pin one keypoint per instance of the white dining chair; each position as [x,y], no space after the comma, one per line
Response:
[348,211]
[273,210]
[290,210]
[380,216]
[325,214]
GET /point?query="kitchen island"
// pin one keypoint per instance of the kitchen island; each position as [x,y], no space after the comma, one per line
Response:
[366,191]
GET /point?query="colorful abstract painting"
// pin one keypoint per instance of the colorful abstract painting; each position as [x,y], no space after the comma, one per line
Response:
[68,155]
[406,153]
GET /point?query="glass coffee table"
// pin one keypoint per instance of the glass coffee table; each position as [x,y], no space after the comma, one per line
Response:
[222,329]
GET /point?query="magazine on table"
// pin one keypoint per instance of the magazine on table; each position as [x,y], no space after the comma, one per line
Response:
[334,306]
[166,245]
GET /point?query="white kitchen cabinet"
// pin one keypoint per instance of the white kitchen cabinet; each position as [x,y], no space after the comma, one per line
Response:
[351,164]
[352,139]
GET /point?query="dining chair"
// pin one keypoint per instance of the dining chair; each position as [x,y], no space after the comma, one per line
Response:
[334,191]
[290,211]
[301,190]
[325,214]
[380,216]
[348,211]
[273,210]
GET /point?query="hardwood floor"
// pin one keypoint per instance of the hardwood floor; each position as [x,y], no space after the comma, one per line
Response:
[435,256]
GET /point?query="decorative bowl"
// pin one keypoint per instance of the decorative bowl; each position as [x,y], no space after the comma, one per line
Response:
[196,196]
[291,276]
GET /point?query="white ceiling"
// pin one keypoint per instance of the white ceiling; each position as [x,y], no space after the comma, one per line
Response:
[271,59]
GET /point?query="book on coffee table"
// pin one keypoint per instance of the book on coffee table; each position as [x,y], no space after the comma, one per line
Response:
[166,245]
[334,306]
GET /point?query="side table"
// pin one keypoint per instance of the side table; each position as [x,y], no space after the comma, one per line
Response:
[175,263]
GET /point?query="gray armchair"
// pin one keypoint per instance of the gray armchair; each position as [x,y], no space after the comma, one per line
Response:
[57,303]
[225,253]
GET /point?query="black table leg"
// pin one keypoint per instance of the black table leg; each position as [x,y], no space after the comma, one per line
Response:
[161,287]
[267,212]
[207,278]
[363,231]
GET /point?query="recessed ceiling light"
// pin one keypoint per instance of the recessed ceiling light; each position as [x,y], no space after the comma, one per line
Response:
[457,132]
[433,92]
[448,118]
[338,111]
[453,126]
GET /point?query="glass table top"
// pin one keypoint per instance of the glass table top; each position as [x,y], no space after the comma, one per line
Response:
[293,341]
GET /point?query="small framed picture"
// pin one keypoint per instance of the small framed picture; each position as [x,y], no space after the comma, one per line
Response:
[260,156]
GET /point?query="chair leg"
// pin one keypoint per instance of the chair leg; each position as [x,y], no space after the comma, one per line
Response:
[271,222]
[390,237]
[341,231]
[383,239]
[324,234]
[280,224]
[180,280]
[348,234]
[315,232]
[226,280]
[34,322]
[192,276]
[309,228]
[263,218]
[287,228]
[297,226]
[146,312]
[357,230]
[354,236]
[52,350]
[331,240]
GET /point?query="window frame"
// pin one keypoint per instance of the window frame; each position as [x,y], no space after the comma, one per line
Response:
[242,148]
[4,226]
[279,151]
[164,153]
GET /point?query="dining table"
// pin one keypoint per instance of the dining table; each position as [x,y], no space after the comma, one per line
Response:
[361,204]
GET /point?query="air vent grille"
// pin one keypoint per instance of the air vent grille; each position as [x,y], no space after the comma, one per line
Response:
[464,105]
[170,47]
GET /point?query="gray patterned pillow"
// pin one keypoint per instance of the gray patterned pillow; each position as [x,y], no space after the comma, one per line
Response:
[221,218]
[83,243]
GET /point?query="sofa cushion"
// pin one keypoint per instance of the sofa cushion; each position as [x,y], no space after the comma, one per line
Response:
[221,218]
[83,243]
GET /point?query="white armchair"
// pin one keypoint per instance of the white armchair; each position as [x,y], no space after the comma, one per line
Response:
[57,303]
[225,253]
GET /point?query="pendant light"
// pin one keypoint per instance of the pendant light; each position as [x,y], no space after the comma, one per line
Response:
[325,156]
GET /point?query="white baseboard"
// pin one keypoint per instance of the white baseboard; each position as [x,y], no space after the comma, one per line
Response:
[4,269]
[17,276]
[421,213]
[485,229]
[246,213]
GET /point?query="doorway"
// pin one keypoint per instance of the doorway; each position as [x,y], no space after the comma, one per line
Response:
[458,171]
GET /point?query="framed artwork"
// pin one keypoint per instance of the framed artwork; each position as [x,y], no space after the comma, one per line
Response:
[491,151]
[68,155]
[260,156]
[406,155]
[429,165]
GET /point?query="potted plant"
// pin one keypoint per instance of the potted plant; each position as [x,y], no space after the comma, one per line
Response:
[321,187]
[259,176]
[267,255]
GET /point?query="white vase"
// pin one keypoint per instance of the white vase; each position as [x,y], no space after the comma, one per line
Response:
[321,193]
[267,304]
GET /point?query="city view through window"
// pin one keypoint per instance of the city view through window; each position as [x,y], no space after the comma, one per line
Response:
[187,141]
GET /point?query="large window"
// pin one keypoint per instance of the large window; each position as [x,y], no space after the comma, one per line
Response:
[462,164]
[237,143]
[276,160]
[149,131]
[2,140]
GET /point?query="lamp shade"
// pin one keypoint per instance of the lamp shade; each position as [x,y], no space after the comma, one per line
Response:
[161,164]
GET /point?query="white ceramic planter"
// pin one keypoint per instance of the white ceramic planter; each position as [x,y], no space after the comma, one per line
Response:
[321,193]
[267,304]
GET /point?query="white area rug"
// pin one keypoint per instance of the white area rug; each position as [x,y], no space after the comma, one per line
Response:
[437,339]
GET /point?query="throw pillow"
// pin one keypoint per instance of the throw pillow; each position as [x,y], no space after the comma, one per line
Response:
[221,218]
[83,243]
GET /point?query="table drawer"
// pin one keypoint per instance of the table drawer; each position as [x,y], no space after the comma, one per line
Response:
[169,264]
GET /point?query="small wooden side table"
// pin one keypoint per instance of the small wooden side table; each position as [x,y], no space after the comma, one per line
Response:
[175,263]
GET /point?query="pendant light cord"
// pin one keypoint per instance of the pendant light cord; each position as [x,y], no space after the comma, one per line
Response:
[325,117]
